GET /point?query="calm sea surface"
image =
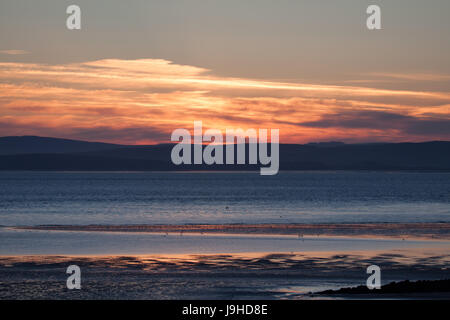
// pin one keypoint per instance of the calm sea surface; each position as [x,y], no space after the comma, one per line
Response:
[33,198]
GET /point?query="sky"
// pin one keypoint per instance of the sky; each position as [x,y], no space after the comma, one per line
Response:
[139,69]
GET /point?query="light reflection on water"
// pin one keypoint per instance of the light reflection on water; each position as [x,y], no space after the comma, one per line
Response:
[29,242]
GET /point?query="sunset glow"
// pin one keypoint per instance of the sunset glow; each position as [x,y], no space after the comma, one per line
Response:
[142,101]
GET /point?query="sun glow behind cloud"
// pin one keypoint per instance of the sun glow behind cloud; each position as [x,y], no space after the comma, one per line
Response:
[142,101]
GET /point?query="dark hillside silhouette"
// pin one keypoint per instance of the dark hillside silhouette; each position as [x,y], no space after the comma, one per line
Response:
[36,153]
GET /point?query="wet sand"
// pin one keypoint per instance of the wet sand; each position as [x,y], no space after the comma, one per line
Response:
[371,230]
[215,276]
[266,274]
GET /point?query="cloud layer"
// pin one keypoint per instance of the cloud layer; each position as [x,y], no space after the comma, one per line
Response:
[143,101]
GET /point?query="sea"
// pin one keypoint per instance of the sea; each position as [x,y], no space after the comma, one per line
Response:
[134,198]
[116,198]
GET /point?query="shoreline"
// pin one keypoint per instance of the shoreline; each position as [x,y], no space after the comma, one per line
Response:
[410,231]
[321,265]
[412,253]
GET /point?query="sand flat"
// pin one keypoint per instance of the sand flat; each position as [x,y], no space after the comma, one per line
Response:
[212,276]
[371,230]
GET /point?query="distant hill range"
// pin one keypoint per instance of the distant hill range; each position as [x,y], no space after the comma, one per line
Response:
[39,153]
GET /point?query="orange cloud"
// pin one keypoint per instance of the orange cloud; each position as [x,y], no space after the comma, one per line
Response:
[142,101]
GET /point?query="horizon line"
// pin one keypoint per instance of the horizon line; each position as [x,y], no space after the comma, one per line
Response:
[280,143]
